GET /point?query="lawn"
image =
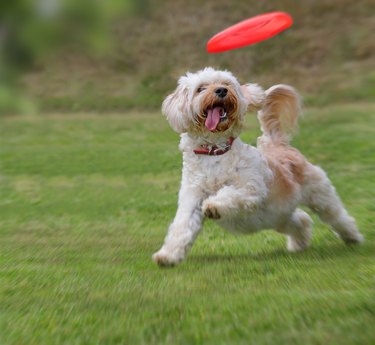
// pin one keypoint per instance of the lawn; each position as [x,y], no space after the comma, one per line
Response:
[86,200]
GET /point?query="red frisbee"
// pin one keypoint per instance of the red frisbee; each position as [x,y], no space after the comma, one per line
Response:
[250,31]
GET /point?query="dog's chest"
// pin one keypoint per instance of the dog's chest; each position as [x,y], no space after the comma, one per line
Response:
[216,173]
[211,173]
[240,166]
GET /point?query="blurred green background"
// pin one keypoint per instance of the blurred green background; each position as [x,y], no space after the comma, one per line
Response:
[116,55]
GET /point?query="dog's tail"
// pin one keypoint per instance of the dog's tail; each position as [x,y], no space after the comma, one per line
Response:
[279,114]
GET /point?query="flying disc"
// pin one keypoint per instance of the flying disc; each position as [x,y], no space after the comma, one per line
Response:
[250,31]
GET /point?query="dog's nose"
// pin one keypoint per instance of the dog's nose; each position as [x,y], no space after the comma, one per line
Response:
[221,92]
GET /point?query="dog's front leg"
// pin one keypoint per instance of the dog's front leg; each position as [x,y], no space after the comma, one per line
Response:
[229,200]
[184,229]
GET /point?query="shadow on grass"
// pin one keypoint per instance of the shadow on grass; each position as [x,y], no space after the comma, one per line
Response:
[314,254]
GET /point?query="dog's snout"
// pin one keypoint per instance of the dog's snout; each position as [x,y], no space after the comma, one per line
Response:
[221,92]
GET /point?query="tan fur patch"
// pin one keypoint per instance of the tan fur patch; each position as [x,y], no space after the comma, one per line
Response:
[288,166]
[280,112]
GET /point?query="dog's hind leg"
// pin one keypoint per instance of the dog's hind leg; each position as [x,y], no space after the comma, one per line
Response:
[321,197]
[298,228]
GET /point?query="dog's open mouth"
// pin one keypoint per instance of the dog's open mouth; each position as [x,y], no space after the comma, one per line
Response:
[214,116]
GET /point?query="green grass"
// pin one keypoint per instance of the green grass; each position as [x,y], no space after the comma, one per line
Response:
[85,201]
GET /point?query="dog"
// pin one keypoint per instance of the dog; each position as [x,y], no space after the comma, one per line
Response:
[243,188]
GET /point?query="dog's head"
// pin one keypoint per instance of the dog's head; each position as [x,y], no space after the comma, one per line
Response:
[210,101]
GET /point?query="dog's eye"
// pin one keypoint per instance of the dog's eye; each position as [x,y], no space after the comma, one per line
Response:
[200,89]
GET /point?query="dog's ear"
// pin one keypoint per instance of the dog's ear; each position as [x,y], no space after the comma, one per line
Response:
[175,108]
[254,96]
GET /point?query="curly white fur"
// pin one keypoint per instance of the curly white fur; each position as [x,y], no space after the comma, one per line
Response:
[246,189]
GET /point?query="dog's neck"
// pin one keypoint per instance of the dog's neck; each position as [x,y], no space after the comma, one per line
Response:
[212,144]
[213,150]
[218,139]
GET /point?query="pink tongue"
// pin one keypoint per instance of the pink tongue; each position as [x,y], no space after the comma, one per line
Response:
[213,118]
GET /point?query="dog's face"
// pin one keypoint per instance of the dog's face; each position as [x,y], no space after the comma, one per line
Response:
[216,105]
[210,101]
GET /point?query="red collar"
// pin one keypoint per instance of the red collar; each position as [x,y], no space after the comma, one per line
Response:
[214,150]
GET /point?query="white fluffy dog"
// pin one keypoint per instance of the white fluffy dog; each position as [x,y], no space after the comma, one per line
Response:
[243,188]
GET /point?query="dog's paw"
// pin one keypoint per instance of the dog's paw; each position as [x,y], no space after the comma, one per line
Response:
[166,259]
[354,238]
[211,211]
